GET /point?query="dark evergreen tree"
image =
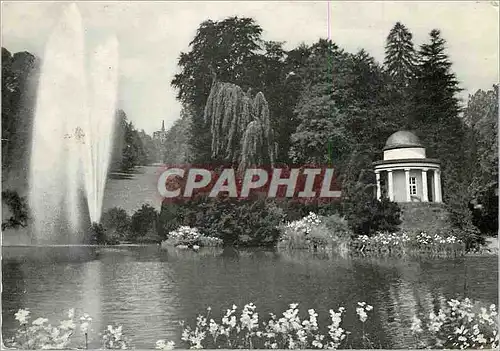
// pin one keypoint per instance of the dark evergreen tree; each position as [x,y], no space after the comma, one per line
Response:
[400,65]
[436,110]
[400,57]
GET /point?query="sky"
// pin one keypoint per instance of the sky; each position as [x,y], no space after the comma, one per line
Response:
[152,35]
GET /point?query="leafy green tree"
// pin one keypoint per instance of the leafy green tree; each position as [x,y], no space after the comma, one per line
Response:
[177,148]
[320,120]
[342,95]
[149,149]
[240,126]
[19,84]
[481,117]
[226,47]
[128,146]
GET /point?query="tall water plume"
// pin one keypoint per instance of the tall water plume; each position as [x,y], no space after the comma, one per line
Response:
[72,131]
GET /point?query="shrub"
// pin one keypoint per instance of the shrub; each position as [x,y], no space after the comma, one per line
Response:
[19,209]
[315,232]
[143,221]
[116,220]
[210,241]
[190,237]
[244,222]
[183,236]
[296,210]
[295,235]
[100,236]
[370,217]
[461,219]
[337,225]
[174,214]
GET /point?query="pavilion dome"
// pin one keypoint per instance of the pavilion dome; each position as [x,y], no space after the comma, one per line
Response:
[402,139]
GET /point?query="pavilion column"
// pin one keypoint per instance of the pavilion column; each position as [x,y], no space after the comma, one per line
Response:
[390,185]
[407,182]
[437,186]
[379,192]
[425,195]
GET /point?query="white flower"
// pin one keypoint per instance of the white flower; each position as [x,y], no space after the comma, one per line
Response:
[84,327]
[40,321]
[362,314]
[67,325]
[22,316]
[71,313]
[162,345]
[416,325]
[85,318]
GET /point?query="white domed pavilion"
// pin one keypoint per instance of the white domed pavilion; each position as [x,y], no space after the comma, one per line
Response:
[405,174]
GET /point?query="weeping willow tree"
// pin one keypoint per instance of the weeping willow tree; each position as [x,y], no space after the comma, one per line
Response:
[240,126]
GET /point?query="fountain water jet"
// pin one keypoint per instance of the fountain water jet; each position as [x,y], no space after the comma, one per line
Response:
[72,131]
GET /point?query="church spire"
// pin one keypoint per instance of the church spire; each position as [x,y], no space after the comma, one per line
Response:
[163,125]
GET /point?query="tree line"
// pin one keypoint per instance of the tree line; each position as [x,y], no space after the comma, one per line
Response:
[327,105]
[20,72]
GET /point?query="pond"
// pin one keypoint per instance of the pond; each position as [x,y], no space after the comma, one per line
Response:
[148,290]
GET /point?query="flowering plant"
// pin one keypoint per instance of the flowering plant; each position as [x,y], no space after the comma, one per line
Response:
[306,224]
[113,338]
[188,236]
[402,244]
[460,325]
[248,331]
[41,334]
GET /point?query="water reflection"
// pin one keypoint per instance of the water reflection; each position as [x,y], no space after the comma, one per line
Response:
[149,290]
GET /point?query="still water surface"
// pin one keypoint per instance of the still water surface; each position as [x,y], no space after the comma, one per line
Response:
[148,290]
